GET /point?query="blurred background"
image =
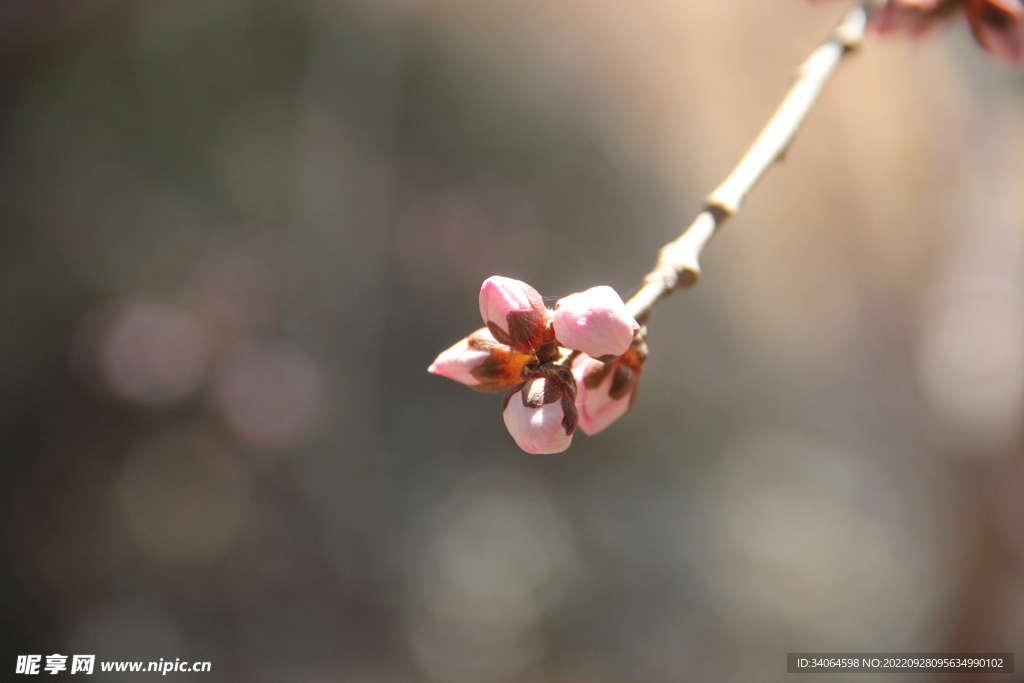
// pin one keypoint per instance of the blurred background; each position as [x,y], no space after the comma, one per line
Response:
[235,233]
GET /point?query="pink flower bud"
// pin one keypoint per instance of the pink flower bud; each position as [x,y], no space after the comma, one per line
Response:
[514,313]
[998,25]
[605,391]
[482,363]
[541,415]
[912,17]
[594,322]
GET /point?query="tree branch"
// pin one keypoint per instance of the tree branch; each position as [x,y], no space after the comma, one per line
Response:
[678,261]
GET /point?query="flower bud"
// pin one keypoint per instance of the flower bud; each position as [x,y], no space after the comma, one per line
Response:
[913,17]
[605,391]
[998,25]
[482,363]
[595,322]
[514,313]
[540,415]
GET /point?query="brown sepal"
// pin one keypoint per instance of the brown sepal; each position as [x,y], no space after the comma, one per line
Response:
[593,379]
[549,351]
[626,367]
[561,376]
[499,333]
[623,381]
[540,390]
[529,331]
[571,416]
[502,369]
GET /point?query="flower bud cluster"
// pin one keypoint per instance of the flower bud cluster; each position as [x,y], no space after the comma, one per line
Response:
[576,365]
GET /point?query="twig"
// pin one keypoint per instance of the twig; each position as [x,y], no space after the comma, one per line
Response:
[678,261]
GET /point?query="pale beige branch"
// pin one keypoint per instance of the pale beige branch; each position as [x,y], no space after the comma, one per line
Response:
[678,261]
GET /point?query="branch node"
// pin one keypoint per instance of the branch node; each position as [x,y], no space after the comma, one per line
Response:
[850,33]
[719,209]
[688,278]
